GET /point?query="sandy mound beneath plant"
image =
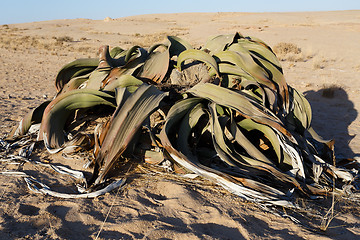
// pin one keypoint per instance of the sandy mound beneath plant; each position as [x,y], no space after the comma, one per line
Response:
[324,54]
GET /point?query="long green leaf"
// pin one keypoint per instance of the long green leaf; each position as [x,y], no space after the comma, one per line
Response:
[32,117]
[122,82]
[269,133]
[233,69]
[97,77]
[300,114]
[75,83]
[220,43]
[156,66]
[241,59]
[191,163]
[125,122]
[57,112]
[117,52]
[260,49]
[187,124]
[241,103]
[198,55]
[246,144]
[249,166]
[177,45]
[74,69]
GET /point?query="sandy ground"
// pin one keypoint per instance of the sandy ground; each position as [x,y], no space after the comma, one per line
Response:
[160,206]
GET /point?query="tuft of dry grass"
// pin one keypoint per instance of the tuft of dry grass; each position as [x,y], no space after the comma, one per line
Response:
[284,48]
[16,42]
[290,52]
[12,39]
[87,49]
[147,40]
[63,39]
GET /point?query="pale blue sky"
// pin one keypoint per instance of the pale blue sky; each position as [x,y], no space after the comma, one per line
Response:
[19,11]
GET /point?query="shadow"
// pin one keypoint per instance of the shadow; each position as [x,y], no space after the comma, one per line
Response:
[344,224]
[116,235]
[14,229]
[332,114]
[69,229]
[253,224]
[28,210]
[336,230]
[216,231]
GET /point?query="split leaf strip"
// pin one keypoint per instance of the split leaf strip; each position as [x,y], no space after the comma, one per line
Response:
[57,112]
[125,122]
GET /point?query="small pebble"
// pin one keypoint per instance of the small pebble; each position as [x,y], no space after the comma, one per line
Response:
[27,98]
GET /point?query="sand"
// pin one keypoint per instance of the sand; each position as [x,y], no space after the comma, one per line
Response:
[154,205]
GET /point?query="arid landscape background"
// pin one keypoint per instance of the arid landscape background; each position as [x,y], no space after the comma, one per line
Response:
[318,51]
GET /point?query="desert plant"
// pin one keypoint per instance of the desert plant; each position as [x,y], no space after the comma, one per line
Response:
[290,52]
[64,39]
[238,123]
[285,48]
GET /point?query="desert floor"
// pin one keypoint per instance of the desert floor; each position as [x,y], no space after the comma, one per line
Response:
[161,206]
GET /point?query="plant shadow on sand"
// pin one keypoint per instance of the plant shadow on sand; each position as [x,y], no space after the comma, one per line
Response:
[333,113]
